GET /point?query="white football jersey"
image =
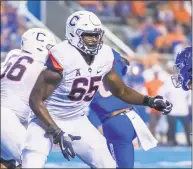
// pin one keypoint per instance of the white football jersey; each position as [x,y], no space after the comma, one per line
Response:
[80,81]
[19,73]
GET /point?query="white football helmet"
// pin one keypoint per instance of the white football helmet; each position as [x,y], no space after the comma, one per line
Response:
[84,23]
[37,39]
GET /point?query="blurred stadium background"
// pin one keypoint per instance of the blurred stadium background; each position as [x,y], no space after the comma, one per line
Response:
[149,34]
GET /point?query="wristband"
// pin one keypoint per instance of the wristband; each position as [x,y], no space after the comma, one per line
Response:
[53,130]
[146,100]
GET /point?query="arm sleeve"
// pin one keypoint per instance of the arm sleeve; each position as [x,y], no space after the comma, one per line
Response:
[53,63]
[119,65]
[11,54]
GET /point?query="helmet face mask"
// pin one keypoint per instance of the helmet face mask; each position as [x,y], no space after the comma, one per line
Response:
[91,40]
[83,31]
[177,80]
[190,84]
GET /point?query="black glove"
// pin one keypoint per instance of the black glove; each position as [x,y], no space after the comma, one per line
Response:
[64,140]
[158,103]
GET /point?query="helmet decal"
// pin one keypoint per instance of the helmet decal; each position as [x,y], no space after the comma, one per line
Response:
[38,37]
[74,20]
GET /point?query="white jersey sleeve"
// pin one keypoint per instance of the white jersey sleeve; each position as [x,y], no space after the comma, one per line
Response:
[109,58]
[55,59]
[12,53]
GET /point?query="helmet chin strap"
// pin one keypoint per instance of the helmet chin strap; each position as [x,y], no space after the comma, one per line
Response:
[90,52]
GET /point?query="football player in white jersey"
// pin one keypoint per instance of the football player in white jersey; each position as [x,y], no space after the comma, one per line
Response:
[75,69]
[19,72]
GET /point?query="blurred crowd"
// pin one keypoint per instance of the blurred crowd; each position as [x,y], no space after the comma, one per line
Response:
[12,27]
[152,27]
[164,26]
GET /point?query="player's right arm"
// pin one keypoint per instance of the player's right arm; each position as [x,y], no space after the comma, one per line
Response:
[46,83]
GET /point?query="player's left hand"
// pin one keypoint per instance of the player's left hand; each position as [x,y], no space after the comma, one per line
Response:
[66,145]
[65,140]
[160,104]
[168,108]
